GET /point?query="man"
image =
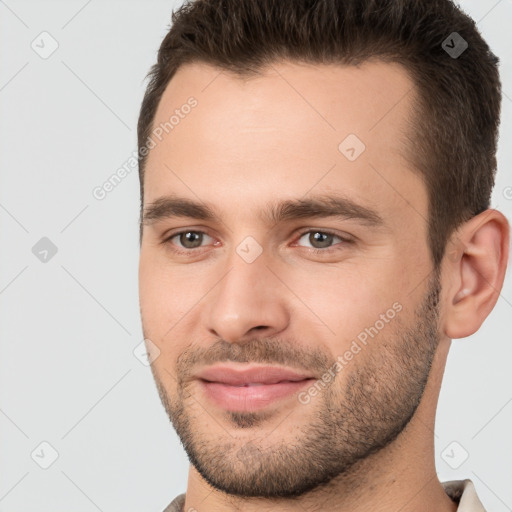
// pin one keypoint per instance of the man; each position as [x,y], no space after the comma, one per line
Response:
[315,230]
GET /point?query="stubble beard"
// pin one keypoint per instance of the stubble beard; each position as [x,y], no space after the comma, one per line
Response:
[381,393]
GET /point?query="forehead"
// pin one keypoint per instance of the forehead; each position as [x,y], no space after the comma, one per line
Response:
[292,129]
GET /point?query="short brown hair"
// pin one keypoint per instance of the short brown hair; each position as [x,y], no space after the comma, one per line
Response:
[457,112]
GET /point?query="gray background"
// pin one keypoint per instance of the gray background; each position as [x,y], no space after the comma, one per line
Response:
[69,325]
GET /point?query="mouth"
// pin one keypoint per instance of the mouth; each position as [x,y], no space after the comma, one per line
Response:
[246,389]
[250,384]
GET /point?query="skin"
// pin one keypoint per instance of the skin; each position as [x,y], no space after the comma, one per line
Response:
[274,138]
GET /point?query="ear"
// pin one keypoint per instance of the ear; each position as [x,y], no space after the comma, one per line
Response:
[474,269]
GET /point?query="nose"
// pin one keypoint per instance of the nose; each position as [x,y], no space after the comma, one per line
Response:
[248,301]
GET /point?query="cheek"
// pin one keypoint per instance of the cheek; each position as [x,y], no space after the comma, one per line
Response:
[349,299]
[160,311]
[155,279]
[160,298]
[170,300]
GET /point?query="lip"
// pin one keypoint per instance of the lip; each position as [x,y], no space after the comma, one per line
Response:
[242,376]
[250,389]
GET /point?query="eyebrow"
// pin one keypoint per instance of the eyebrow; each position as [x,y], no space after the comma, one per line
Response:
[319,206]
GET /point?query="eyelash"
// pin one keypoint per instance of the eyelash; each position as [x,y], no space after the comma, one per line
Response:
[344,241]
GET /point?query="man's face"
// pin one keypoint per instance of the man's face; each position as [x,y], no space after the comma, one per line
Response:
[348,300]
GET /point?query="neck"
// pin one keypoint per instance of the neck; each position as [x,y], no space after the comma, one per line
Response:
[401,477]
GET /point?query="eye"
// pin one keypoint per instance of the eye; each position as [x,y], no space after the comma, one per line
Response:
[187,240]
[321,241]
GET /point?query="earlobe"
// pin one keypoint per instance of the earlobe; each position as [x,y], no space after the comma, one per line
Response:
[476,273]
